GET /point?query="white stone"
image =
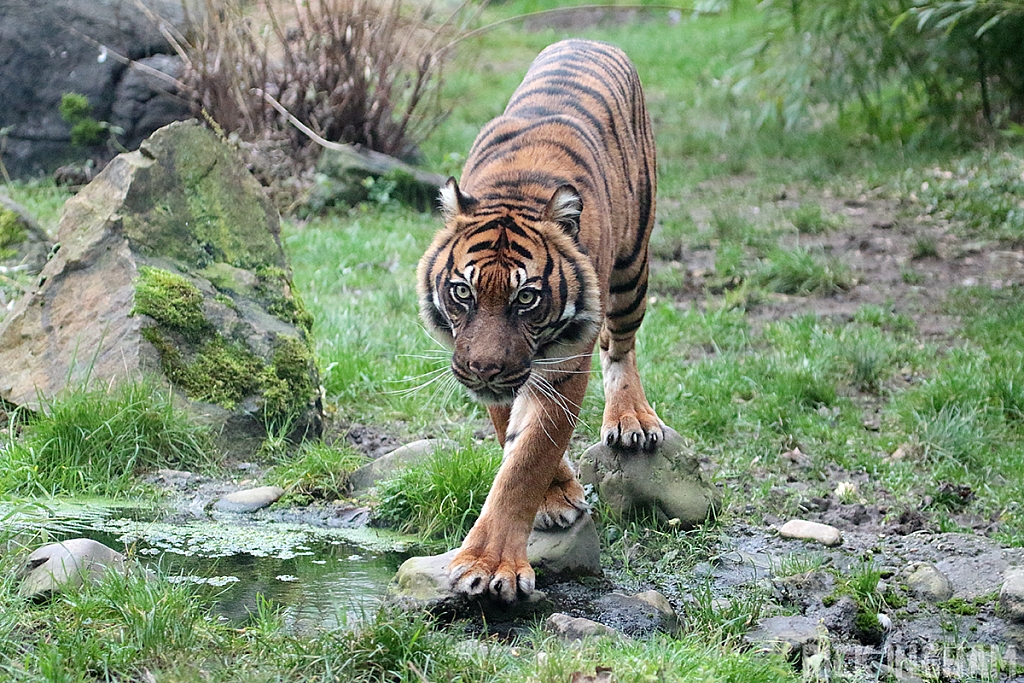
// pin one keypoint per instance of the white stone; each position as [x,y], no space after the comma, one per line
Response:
[249,500]
[66,565]
[811,531]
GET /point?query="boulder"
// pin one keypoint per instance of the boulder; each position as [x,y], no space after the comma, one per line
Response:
[51,48]
[422,582]
[59,567]
[171,262]
[793,635]
[1011,595]
[388,464]
[576,628]
[667,482]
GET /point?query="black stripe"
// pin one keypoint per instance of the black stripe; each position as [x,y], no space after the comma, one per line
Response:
[625,331]
[633,305]
[627,286]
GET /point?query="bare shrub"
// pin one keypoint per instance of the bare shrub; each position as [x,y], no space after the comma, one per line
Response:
[354,71]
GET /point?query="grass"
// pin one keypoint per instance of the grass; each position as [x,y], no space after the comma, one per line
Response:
[315,471]
[745,382]
[95,441]
[440,498]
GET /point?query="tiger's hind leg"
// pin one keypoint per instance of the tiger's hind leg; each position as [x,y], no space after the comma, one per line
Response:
[629,421]
[565,499]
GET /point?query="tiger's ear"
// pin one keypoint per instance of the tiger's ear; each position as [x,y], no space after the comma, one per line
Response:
[453,201]
[565,208]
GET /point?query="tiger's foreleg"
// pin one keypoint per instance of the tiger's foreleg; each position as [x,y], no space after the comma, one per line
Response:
[492,558]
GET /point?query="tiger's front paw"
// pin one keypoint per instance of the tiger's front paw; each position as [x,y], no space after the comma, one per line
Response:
[632,425]
[562,506]
[498,571]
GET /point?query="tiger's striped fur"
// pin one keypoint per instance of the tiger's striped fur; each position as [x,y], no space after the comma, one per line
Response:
[543,253]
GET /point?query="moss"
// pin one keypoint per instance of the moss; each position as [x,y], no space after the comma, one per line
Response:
[275,291]
[218,372]
[198,204]
[867,627]
[171,300]
[958,606]
[288,387]
[12,232]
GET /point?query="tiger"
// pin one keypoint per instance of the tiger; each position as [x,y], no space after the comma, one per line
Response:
[543,253]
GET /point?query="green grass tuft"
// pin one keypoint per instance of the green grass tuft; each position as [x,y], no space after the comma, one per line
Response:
[802,271]
[441,497]
[96,441]
[317,470]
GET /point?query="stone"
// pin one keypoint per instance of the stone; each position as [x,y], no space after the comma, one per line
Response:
[558,554]
[248,500]
[794,635]
[811,531]
[638,615]
[391,463]
[926,582]
[577,628]
[422,582]
[667,482]
[149,280]
[54,47]
[64,566]
[1011,595]
[344,172]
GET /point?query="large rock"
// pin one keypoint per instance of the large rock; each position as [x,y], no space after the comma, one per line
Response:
[64,566]
[51,48]
[170,261]
[668,482]
[391,463]
[422,582]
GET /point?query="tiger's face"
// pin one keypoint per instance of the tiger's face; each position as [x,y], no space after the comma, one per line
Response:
[514,297]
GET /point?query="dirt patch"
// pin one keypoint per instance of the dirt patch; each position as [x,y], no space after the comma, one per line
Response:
[900,258]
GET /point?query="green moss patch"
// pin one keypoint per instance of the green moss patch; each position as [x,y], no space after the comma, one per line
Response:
[275,291]
[12,232]
[171,300]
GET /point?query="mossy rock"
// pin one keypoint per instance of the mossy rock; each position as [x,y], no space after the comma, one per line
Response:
[171,262]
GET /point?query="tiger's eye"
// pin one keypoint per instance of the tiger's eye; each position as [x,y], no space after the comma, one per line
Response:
[526,297]
[462,292]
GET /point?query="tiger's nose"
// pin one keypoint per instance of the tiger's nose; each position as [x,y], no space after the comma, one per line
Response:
[484,370]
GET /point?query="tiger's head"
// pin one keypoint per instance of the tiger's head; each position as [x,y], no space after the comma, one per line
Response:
[512,293]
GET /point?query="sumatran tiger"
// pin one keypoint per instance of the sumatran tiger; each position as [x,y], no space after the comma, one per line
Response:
[544,252]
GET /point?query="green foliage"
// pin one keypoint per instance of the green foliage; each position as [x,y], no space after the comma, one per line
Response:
[85,130]
[803,271]
[11,231]
[441,497]
[95,441]
[171,300]
[898,68]
[317,470]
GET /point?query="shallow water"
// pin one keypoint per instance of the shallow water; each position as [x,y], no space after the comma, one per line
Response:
[315,577]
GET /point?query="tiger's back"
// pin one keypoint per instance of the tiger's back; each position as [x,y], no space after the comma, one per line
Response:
[577,118]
